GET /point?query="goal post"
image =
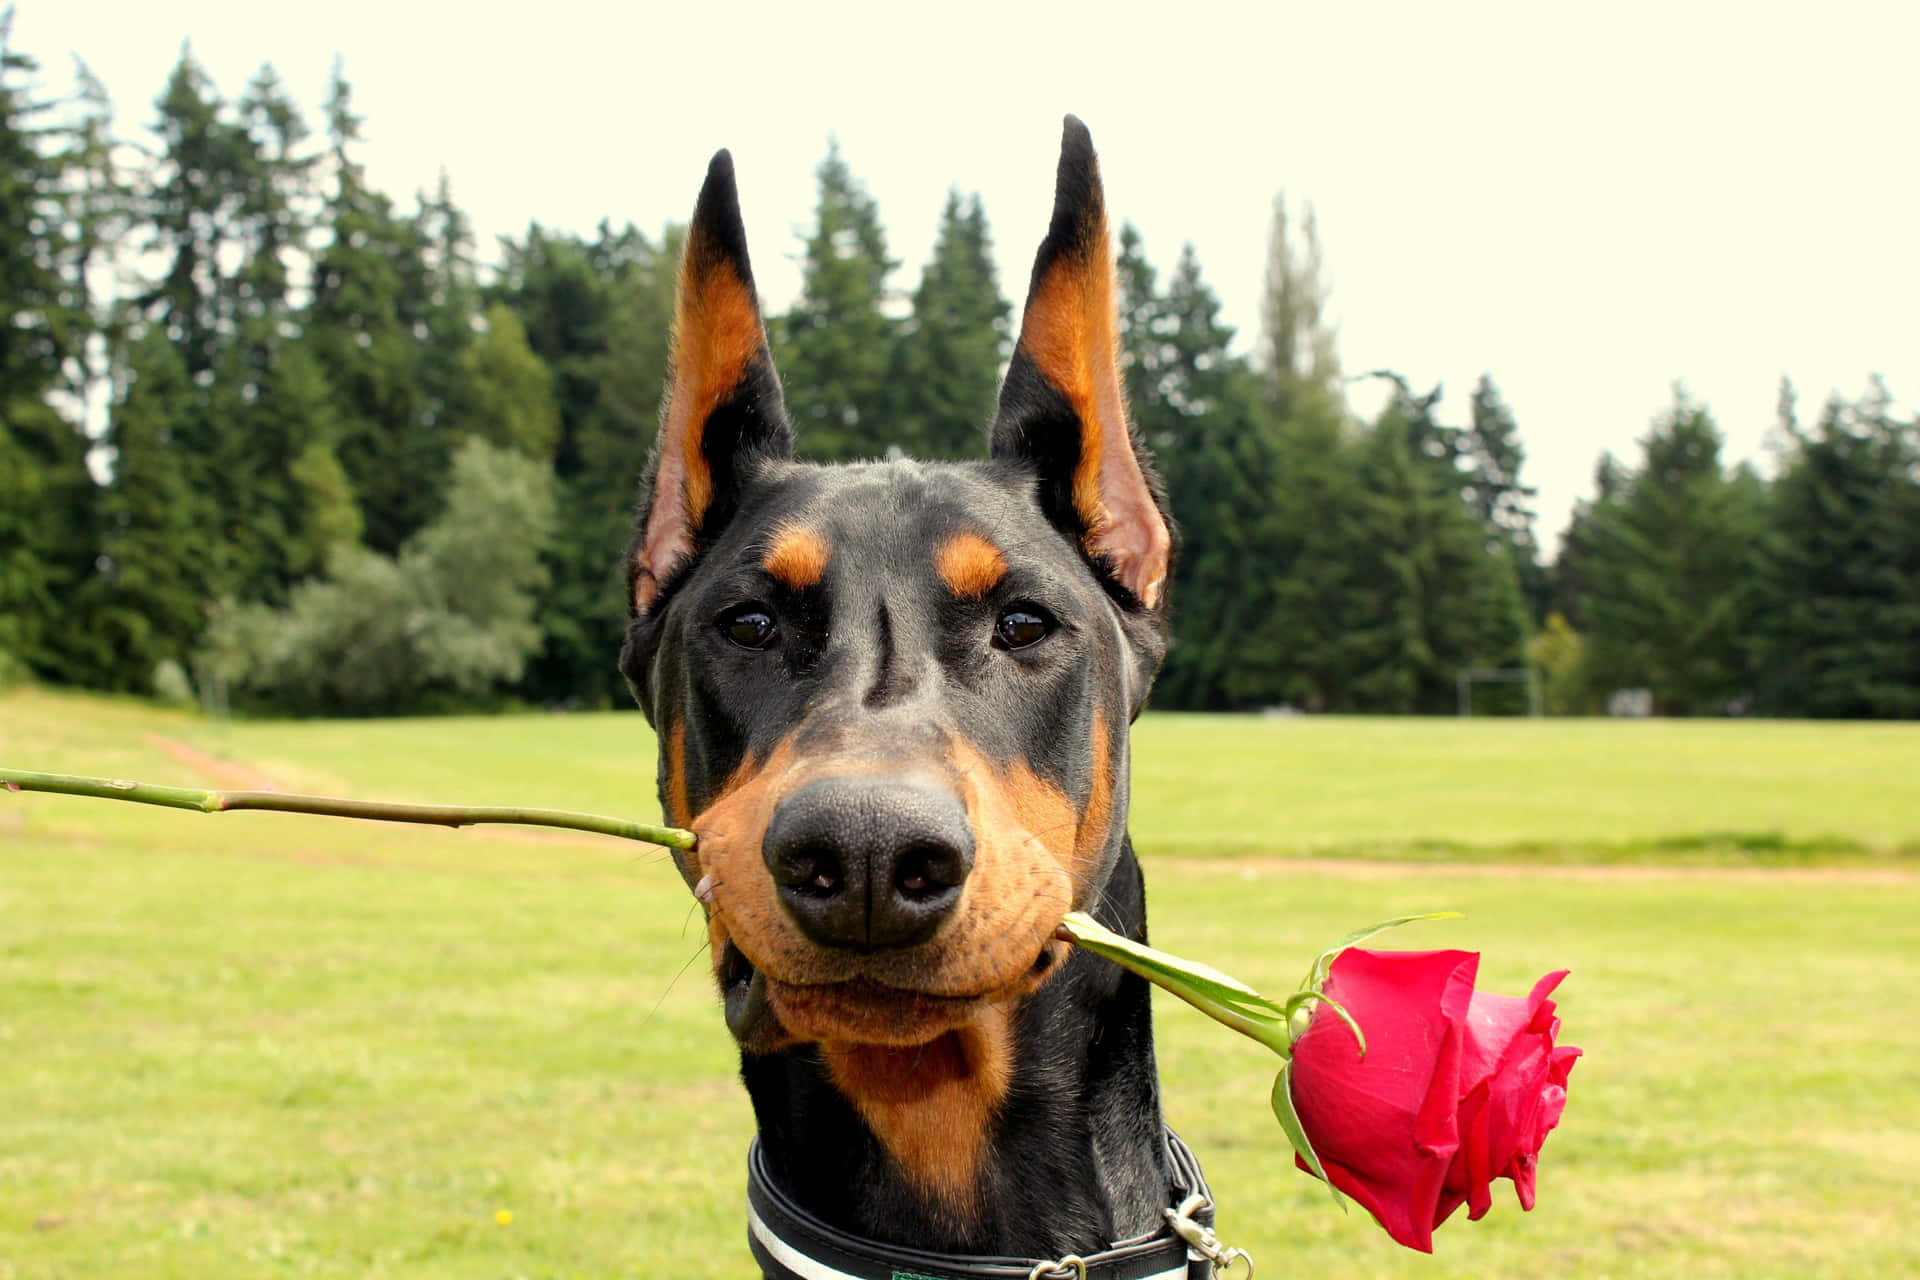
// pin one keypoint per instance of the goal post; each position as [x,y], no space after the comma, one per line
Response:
[1470,676]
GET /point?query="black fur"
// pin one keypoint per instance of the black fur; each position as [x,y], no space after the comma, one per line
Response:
[1079,206]
[718,233]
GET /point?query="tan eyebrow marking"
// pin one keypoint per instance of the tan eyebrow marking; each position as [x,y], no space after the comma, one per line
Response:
[798,557]
[969,565]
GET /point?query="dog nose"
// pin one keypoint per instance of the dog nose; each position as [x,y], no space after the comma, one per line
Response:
[869,863]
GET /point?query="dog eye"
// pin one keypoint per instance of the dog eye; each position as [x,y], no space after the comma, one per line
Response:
[750,627]
[1021,626]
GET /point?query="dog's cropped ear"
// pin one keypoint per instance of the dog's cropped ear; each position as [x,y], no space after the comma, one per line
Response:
[724,413]
[1063,407]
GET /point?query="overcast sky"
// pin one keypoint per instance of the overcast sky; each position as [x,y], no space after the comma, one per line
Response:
[1587,202]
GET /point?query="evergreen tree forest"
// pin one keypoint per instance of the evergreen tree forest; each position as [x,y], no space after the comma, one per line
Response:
[275,439]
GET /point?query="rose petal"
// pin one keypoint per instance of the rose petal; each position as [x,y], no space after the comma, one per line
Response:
[1385,1126]
[1514,1082]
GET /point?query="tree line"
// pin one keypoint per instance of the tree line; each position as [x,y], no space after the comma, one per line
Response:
[268,435]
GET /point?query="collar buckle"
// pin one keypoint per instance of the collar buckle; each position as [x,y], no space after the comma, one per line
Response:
[1200,1238]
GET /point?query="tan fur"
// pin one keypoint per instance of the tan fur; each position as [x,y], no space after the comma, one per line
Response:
[969,565]
[716,331]
[1069,333]
[678,811]
[917,1039]
[931,1105]
[1021,884]
[1097,817]
[798,557]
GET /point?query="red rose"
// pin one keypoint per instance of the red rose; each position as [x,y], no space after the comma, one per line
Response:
[1457,1087]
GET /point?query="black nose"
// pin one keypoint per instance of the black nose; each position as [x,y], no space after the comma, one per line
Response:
[867,863]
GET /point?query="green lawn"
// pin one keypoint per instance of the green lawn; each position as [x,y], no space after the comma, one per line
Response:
[258,1044]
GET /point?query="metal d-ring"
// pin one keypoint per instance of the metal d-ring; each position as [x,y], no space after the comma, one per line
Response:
[1200,1238]
[1042,1270]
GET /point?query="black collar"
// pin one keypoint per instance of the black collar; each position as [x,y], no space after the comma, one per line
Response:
[791,1244]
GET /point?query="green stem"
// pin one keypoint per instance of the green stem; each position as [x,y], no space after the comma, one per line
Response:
[1274,1035]
[443,815]
[1224,999]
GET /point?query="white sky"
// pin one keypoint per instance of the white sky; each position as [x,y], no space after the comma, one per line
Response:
[1586,201]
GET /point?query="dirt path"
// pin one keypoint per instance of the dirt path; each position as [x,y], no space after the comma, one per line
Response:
[228,775]
[1372,869]
[221,773]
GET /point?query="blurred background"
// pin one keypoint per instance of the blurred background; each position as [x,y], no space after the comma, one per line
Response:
[1519,359]
[1490,343]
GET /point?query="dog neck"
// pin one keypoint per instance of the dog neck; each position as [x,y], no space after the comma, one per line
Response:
[1046,1141]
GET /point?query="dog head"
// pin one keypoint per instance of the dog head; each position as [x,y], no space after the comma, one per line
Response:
[893,697]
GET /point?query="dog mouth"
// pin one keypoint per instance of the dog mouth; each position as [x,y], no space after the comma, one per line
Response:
[743,995]
[790,974]
[764,1014]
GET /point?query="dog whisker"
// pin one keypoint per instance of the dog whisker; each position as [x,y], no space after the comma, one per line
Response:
[672,983]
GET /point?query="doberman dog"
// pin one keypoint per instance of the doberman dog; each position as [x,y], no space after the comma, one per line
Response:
[893,701]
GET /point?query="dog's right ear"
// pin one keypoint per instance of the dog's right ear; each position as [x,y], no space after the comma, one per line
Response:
[1063,404]
[724,413]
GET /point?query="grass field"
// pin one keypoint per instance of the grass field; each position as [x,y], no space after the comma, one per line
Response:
[265,1045]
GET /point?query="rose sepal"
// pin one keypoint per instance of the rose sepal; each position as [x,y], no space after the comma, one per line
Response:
[1289,1118]
[1323,963]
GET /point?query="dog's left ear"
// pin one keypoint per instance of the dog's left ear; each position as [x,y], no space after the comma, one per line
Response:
[724,413]
[1063,407]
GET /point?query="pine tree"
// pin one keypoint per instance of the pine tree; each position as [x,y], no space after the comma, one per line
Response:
[557,287]
[1220,469]
[949,357]
[598,316]
[1571,573]
[100,210]
[1433,593]
[1838,617]
[46,493]
[439,303]
[589,573]
[1265,503]
[1299,651]
[1502,503]
[1299,655]
[448,289]
[218,217]
[1669,586]
[363,325]
[268,391]
[1142,352]
[164,559]
[835,346]
[192,202]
